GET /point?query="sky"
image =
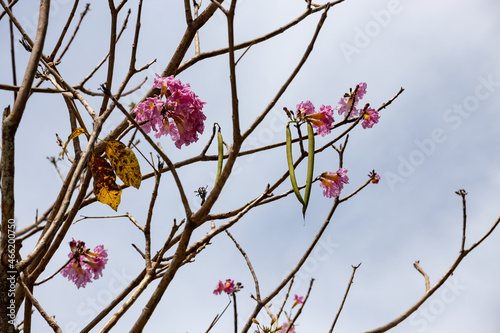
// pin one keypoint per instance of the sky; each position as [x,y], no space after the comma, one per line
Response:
[440,135]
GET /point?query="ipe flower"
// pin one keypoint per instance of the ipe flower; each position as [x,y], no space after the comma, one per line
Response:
[333,182]
[179,116]
[321,120]
[284,328]
[350,101]
[84,263]
[370,117]
[228,287]
[375,178]
[297,300]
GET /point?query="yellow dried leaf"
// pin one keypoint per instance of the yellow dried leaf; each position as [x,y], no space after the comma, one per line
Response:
[105,188]
[73,135]
[124,163]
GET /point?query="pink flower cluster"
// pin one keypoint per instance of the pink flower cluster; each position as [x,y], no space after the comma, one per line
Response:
[350,101]
[370,117]
[321,120]
[179,115]
[227,287]
[284,328]
[333,182]
[84,263]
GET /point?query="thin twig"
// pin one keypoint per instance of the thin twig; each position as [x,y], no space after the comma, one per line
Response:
[463,193]
[51,276]
[147,226]
[292,76]
[299,311]
[50,320]
[254,41]
[354,268]
[436,286]
[12,55]
[217,317]
[249,264]
[65,30]
[416,264]
[278,314]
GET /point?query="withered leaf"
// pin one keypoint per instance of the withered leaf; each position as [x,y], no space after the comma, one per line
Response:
[105,188]
[73,135]
[124,163]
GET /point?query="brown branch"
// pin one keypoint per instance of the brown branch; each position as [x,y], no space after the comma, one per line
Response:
[294,271]
[214,53]
[65,30]
[354,268]
[12,55]
[139,280]
[292,76]
[249,264]
[278,314]
[33,89]
[147,226]
[196,7]
[96,68]
[463,193]
[290,324]
[50,320]
[437,285]
[386,104]
[416,264]
[11,4]
[10,124]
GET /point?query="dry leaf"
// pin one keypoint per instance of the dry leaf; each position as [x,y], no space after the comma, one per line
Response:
[124,163]
[73,135]
[105,188]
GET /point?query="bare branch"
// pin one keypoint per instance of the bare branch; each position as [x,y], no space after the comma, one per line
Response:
[50,320]
[436,286]
[249,264]
[416,264]
[65,29]
[354,268]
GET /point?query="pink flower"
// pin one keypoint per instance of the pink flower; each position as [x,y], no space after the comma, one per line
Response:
[370,117]
[149,112]
[83,263]
[321,121]
[179,116]
[375,178]
[333,182]
[297,300]
[351,101]
[219,289]
[284,327]
[227,287]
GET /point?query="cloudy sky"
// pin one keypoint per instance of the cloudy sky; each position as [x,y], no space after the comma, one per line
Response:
[440,135]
